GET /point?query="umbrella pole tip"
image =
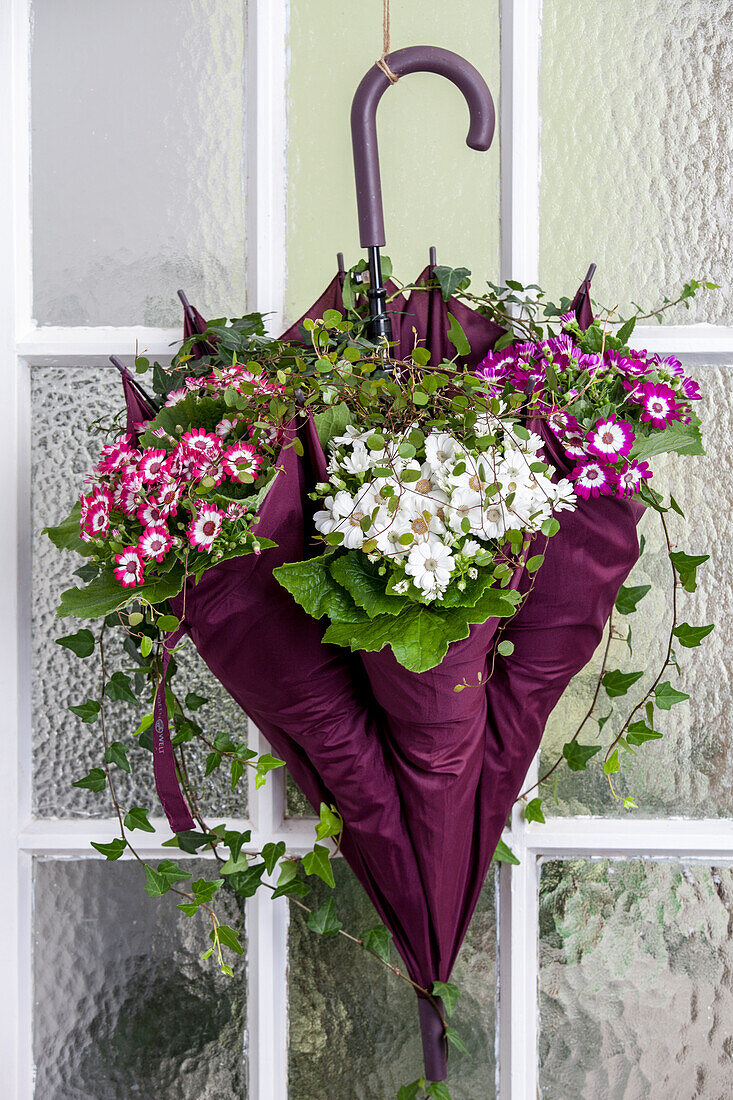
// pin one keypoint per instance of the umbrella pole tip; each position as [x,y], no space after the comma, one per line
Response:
[433,256]
[591,272]
[184,300]
[340,263]
[434,1045]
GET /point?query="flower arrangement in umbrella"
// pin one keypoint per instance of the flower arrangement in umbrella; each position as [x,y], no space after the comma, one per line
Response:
[394,535]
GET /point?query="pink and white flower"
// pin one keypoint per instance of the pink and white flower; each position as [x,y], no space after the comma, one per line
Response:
[155,542]
[115,456]
[96,519]
[659,404]
[129,571]
[151,464]
[241,459]
[175,397]
[169,493]
[629,480]
[205,526]
[235,511]
[593,479]
[611,439]
[151,514]
[201,442]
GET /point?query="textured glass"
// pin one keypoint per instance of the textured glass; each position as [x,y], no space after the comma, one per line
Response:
[690,771]
[64,401]
[637,150]
[436,190]
[354,1028]
[296,804]
[123,1005]
[636,993]
[137,119]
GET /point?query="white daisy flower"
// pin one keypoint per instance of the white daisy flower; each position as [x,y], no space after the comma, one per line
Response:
[430,565]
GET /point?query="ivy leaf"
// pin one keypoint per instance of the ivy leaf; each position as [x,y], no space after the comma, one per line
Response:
[378,940]
[96,780]
[533,811]
[194,701]
[686,566]
[82,643]
[624,333]
[318,863]
[137,818]
[330,822]
[116,753]
[87,711]
[235,840]
[204,889]
[666,696]
[448,993]
[288,877]
[618,683]
[438,1090]
[504,854]
[612,764]
[451,279]
[160,880]
[118,688]
[639,732]
[111,851]
[265,763]
[411,1091]
[453,1037]
[248,881]
[271,853]
[228,937]
[324,920]
[457,337]
[691,636]
[629,597]
[578,755]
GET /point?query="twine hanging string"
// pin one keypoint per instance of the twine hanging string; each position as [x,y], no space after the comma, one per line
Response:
[386,44]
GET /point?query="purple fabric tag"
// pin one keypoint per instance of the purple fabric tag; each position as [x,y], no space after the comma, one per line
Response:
[164,763]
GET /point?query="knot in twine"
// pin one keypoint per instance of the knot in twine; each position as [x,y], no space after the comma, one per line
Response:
[386,48]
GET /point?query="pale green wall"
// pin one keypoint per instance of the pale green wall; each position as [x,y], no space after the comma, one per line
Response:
[436,190]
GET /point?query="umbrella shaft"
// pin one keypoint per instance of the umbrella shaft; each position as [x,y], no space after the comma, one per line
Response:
[380,324]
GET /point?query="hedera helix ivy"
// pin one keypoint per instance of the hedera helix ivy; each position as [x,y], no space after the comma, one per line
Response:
[207,459]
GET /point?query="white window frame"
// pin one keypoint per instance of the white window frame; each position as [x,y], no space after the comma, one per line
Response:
[23,343]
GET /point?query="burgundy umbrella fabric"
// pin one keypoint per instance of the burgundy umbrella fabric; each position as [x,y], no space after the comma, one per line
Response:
[423,777]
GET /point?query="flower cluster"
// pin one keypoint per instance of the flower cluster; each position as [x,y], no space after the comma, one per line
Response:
[188,488]
[602,404]
[433,508]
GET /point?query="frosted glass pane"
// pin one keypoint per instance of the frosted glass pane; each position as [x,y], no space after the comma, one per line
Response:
[690,771]
[123,1005]
[64,400]
[296,804]
[436,190]
[637,149]
[137,118]
[635,980]
[354,1028]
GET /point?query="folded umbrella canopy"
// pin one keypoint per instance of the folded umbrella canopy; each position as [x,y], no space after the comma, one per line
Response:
[423,777]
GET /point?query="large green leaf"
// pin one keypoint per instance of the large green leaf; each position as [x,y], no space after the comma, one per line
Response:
[312,586]
[683,439]
[192,412]
[105,594]
[332,422]
[363,583]
[66,535]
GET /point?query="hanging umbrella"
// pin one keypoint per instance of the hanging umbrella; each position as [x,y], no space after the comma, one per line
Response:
[423,777]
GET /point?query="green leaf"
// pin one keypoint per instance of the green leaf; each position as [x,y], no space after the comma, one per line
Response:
[366,588]
[411,1091]
[612,764]
[454,1038]
[457,337]
[95,780]
[330,823]
[137,818]
[578,755]
[228,937]
[618,683]
[105,594]
[67,534]
[146,646]
[194,701]
[675,506]
[686,566]
[504,854]
[629,597]
[318,863]
[324,920]
[691,636]
[118,688]
[666,696]
[448,993]
[421,356]
[378,940]
[82,643]
[168,623]
[450,279]
[248,881]
[271,853]
[160,880]
[626,330]
[116,753]
[266,763]
[311,585]
[332,422]
[535,562]
[639,732]
[550,527]
[684,439]
[88,711]
[533,811]
[113,850]
[505,648]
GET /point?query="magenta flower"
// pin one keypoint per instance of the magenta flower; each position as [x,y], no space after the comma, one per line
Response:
[658,401]
[241,459]
[611,439]
[691,390]
[592,479]
[205,526]
[129,571]
[155,542]
[96,519]
[562,422]
[629,480]
[151,464]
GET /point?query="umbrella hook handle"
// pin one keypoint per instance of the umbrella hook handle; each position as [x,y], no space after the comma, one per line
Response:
[413,59]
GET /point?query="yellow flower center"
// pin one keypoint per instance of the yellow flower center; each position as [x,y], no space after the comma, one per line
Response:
[419,526]
[423,486]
